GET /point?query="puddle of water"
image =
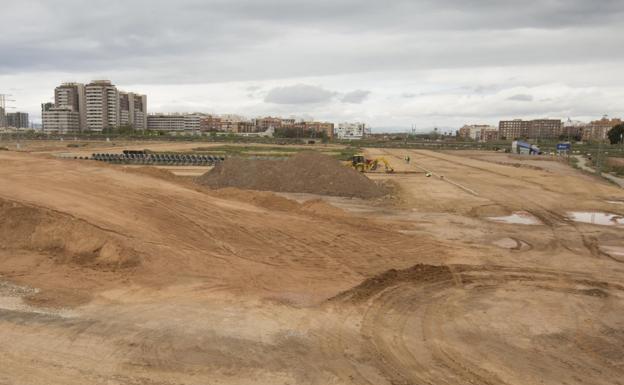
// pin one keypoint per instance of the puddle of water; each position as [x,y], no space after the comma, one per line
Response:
[597,218]
[518,218]
[616,202]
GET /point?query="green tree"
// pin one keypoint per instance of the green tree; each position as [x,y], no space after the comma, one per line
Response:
[615,134]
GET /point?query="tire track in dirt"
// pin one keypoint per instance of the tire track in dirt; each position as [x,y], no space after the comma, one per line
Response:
[419,326]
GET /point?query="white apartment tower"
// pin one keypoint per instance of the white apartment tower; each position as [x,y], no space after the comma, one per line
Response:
[103,105]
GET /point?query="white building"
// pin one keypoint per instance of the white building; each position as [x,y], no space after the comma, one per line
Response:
[182,123]
[102,100]
[350,131]
[60,120]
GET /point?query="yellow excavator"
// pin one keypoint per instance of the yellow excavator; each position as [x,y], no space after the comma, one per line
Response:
[360,163]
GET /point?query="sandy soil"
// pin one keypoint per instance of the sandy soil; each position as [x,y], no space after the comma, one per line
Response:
[117,276]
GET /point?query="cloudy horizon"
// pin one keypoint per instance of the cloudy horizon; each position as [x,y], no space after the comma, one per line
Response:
[393,64]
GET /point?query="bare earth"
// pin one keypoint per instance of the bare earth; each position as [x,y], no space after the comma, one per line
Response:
[110,275]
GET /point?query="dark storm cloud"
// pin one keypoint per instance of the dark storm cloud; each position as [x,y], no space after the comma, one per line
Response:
[221,40]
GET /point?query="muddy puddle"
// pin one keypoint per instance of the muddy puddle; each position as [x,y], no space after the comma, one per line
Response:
[597,218]
[517,218]
[615,202]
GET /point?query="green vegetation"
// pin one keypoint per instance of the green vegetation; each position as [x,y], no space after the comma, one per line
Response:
[616,134]
[341,153]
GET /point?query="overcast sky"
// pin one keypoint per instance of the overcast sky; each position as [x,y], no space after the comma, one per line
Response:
[390,63]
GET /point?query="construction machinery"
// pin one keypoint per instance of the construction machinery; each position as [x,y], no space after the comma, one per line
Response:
[360,163]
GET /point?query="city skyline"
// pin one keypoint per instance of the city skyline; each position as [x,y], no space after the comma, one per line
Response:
[392,65]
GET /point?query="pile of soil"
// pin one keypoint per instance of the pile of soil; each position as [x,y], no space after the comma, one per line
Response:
[65,238]
[372,286]
[306,172]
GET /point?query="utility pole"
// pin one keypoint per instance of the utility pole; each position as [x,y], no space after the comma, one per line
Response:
[598,157]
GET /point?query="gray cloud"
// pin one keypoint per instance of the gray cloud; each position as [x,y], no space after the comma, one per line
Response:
[521,98]
[355,97]
[227,40]
[469,56]
[299,94]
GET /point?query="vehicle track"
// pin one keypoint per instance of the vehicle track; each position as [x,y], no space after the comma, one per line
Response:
[436,331]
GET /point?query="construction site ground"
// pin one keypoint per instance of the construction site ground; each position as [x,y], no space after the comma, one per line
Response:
[111,275]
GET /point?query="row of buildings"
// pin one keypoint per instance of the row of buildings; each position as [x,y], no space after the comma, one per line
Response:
[197,123]
[99,106]
[14,119]
[93,107]
[540,129]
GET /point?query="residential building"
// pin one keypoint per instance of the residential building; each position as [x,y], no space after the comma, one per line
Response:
[534,129]
[72,95]
[133,110]
[2,117]
[315,128]
[545,129]
[60,120]
[350,131]
[513,129]
[17,120]
[478,132]
[182,123]
[490,135]
[263,124]
[211,123]
[102,100]
[598,129]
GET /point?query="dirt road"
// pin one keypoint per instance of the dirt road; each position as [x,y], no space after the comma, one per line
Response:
[116,277]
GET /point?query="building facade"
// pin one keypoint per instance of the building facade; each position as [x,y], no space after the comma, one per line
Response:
[182,123]
[60,120]
[534,129]
[133,110]
[350,131]
[598,129]
[17,120]
[72,95]
[479,132]
[102,100]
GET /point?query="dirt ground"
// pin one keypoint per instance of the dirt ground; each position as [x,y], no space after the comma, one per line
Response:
[118,276]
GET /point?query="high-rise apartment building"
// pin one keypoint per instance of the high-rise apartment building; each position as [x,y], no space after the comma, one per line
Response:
[17,120]
[133,110]
[72,96]
[102,100]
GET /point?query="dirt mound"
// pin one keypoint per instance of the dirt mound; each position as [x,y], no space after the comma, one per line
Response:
[375,285]
[68,239]
[306,172]
[321,208]
[259,198]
